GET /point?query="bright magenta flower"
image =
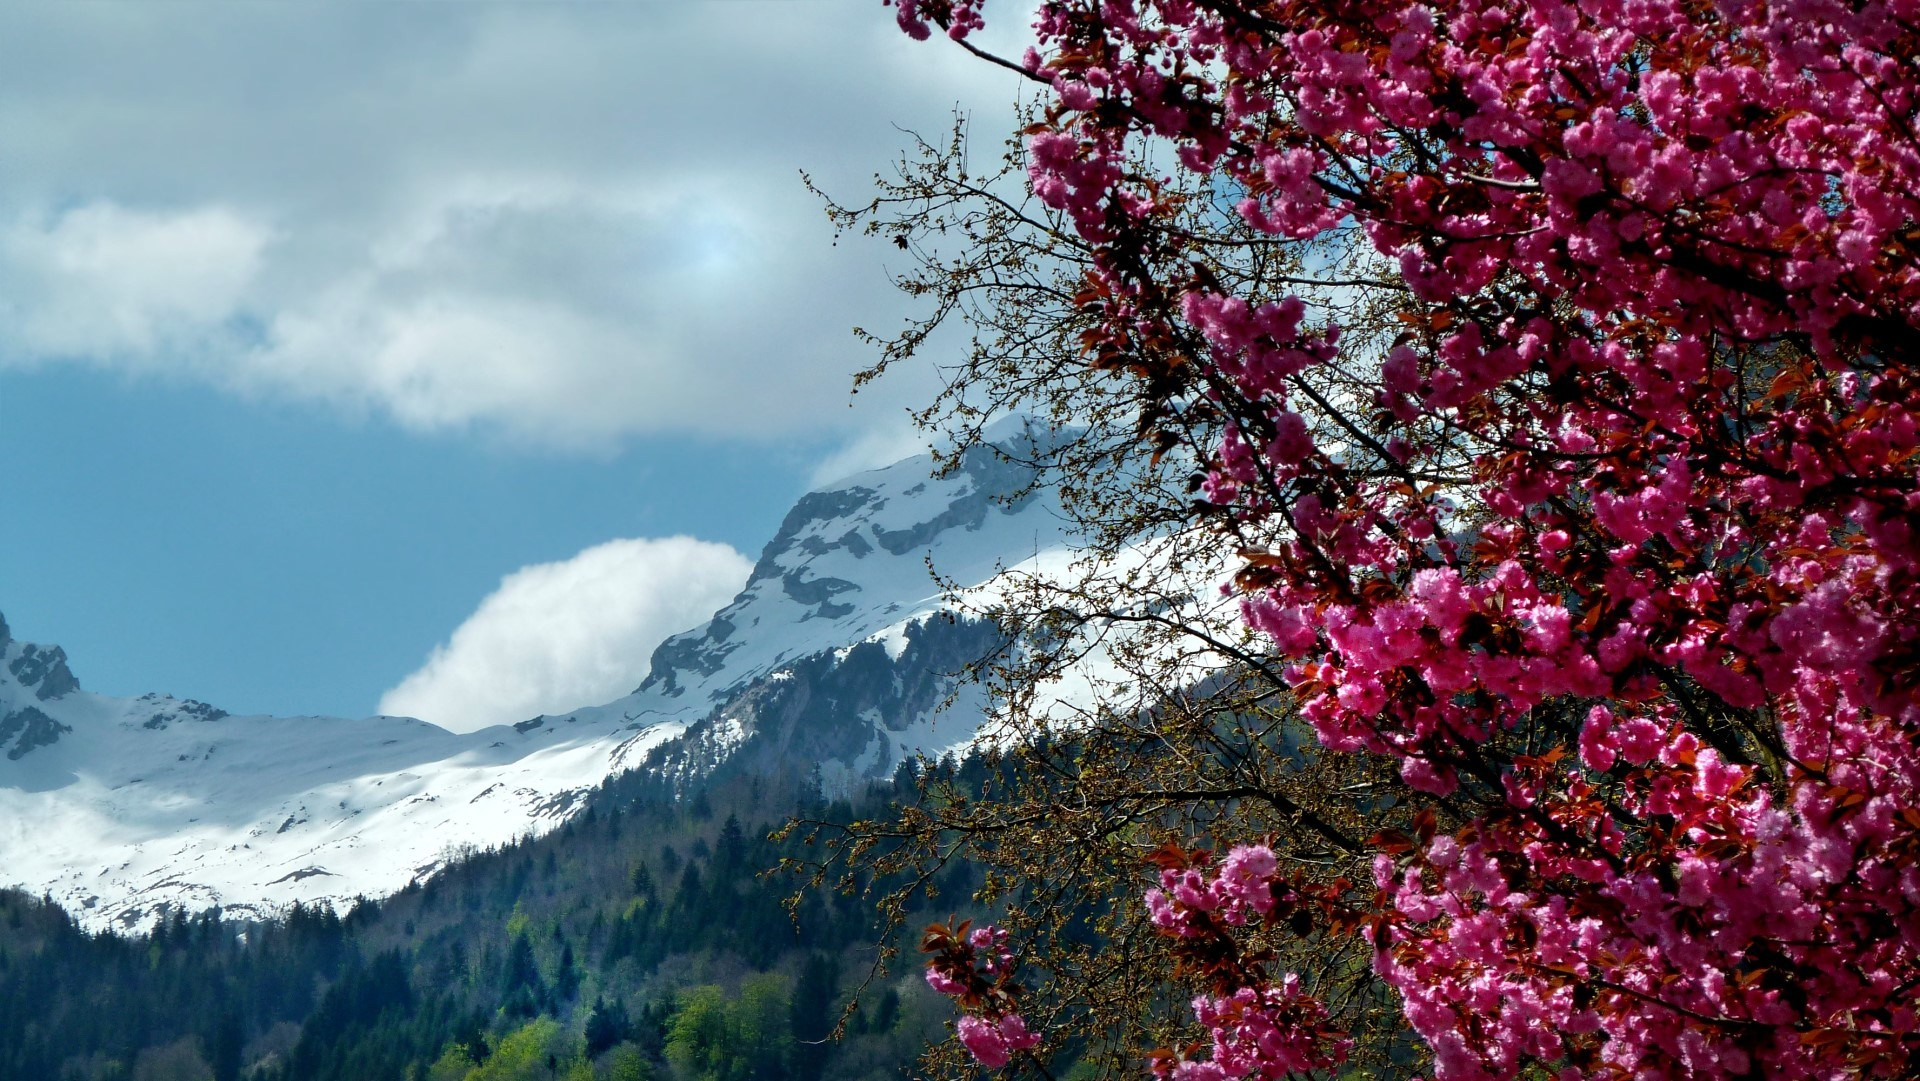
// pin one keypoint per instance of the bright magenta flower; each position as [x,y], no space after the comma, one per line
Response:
[1663,350]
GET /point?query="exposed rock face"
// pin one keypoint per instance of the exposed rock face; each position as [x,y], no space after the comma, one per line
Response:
[29,674]
[26,729]
[883,675]
[44,668]
[853,713]
[842,549]
[170,711]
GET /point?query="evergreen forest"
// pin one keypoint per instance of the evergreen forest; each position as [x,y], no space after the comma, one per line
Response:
[648,937]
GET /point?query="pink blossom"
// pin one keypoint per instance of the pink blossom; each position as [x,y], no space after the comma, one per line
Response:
[1612,545]
[993,1043]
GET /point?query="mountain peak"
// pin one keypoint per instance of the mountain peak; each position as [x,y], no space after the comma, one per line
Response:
[44,668]
[840,655]
[857,556]
[24,667]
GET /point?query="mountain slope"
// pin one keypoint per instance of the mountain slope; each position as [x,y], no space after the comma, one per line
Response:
[836,653]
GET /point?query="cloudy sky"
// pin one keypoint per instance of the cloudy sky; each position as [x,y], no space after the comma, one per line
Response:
[352,354]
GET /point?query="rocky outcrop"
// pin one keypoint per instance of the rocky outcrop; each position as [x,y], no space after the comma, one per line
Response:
[27,729]
[37,671]
[839,547]
[999,486]
[44,668]
[170,711]
[852,714]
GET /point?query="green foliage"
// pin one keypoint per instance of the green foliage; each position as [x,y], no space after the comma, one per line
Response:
[697,1041]
[626,1063]
[714,1038]
[525,1053]
[548,947]
[454,1065]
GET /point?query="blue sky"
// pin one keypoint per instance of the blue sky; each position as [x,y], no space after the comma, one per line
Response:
[274,558]
[317,322]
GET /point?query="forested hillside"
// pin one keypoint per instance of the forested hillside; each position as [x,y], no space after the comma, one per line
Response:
[643,939]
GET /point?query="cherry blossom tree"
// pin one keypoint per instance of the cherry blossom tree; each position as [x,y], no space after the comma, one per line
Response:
[1610,546]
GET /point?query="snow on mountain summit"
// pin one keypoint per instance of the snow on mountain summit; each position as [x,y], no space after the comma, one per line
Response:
[851,561]
[126,808]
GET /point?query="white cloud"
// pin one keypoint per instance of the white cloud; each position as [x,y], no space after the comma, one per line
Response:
[106,283]
[558,636]
[569,317]
[568,224]
[881,445]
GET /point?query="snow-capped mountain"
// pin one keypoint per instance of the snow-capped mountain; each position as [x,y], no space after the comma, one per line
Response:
[837,653]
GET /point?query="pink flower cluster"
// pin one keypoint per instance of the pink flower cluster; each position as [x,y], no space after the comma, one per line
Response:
[1188,903]
[976,968]
[1266,1032]
[1258,1027]
[957,17]
[993,1042]
[1662,262]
